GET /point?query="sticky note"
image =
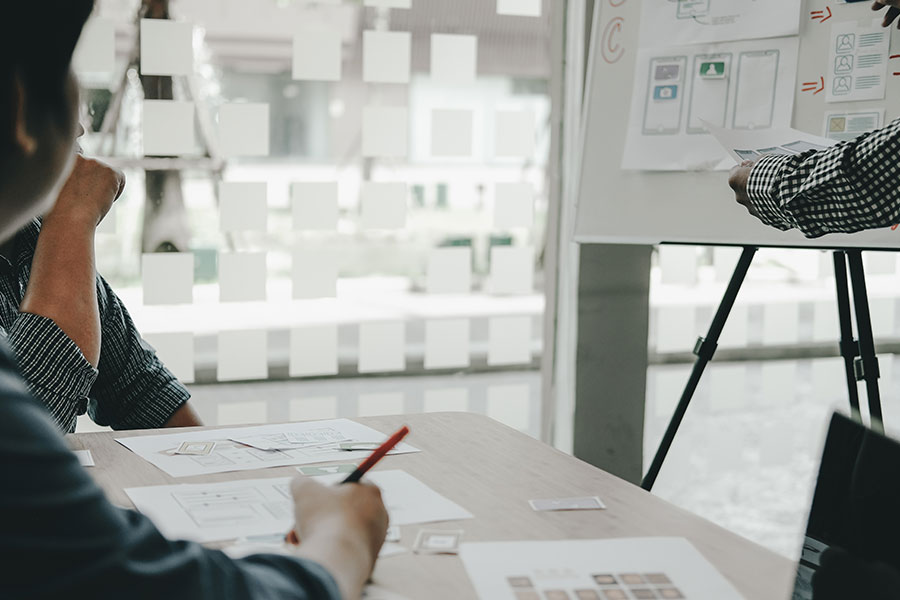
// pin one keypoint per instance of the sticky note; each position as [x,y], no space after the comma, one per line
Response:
[388,3]
[678,264]
[315,205]
[168,128]
[242,276]
[510,404]
[314,273]
[449,271]
[451,133]
[382,347]
[447,344]
[314,351]
[242,413]
[376,405]
[509,340]
[167,47]
[313,409]
[513,205]
[780,323]
[96,49]
[242,355]
[519,8]
[447,400]
[385,132]
[512,270]
[168,278]
[244,129]
[386,56]
[383,205]
[454,58]
[242,206]
[176,351]
[317,54]
[514,134]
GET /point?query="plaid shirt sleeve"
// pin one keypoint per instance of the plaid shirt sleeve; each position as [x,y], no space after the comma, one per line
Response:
[847,188]
[133,390]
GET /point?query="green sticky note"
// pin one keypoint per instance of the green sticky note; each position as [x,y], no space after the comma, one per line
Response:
[315,470]
[712,69]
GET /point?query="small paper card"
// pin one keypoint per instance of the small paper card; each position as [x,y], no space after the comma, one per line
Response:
[196,448]
[437,541]
[551,504]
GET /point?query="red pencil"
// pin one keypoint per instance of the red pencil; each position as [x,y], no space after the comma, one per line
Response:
[377,455]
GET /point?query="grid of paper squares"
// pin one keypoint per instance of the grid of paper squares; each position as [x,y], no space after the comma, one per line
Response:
[167,47]
[242,355]
[314,273]
[385,132]
[168,278]
[314,205]
[242,276]
[317,54]
[454,58]
[243,206]
[168,128]
[314,351]
[386,56]
[244,129]
[383,205]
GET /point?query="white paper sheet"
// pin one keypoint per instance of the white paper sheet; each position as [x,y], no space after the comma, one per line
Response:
[176,351]
[168,278]
[857,62]
[208,512]
[168,128]
[317,54]
[447,344]
[167,47]
[519,8]
[500,569]
[242,355]
[513,205]
[96,49]
[514,134]
[314,274]
[243,206]
[386,56]
[228,456]
[512,270]
[385,132]
[509,340]
[750,145]
[845,126]
[678,90]
[449,271]
[451,133]
[315,205]
[383,205]
[314,351]
[85,458]
[705,21]
[242,276]
[244,129]
[382,347]
[454,58]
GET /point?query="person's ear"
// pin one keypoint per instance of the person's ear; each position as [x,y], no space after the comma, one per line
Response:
[22,138]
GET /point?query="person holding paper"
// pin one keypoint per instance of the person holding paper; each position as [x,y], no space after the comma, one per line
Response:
[59,536]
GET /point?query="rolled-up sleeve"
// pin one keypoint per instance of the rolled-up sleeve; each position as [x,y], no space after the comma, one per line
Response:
[54,368]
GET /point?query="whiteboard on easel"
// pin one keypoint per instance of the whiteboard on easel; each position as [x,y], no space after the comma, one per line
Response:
[650,173]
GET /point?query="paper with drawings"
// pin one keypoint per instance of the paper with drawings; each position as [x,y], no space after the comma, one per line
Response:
[704,21]
[228,455]
[251,508]
[857,62]
[844,126]
[621,568]
[742,85]
[750,145]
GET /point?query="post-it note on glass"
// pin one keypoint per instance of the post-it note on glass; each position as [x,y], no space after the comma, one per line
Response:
[447,344]
[382,347]
[512,270]
[388,3]
[519,8]
[385,132]
[243,355]
[242,276]
[383,205]
[96,49]
[314,274]
[168,278]
[244,129]
[449,271]
[451,133]
[168,128]
[314,351]
[176,351]
[514,134]
[513,205]
[242,206]
[315,205]
[386,56]
[509,340]
[167,47]
[317,54]
[454,58]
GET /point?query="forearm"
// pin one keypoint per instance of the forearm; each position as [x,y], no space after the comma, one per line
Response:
[62,284]
[185,416]
[345,556]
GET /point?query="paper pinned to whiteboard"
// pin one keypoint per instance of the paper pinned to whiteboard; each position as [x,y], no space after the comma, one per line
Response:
[857,62]
[751,145]
[846,126]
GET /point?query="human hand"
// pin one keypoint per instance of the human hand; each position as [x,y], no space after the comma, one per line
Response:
[88,193]
[738,182]
[892,12]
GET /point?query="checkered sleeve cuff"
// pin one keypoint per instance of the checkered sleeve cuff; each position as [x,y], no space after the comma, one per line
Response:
[763,191]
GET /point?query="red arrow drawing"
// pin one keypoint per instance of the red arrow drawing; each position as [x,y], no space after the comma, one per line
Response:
[894,227]
[814,86]
[893,56]
[820,16]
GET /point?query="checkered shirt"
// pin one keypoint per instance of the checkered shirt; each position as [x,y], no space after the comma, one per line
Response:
[130,389]
[847,188]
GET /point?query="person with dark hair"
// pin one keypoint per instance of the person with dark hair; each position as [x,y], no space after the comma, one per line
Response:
[59,535]
[847,188]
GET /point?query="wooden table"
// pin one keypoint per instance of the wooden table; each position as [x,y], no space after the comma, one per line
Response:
[492,471]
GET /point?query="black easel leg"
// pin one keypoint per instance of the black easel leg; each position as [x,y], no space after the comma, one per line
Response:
[849,346]
[705,349]
[868,359]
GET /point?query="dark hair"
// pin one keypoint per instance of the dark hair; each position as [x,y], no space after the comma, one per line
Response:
[37,39]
